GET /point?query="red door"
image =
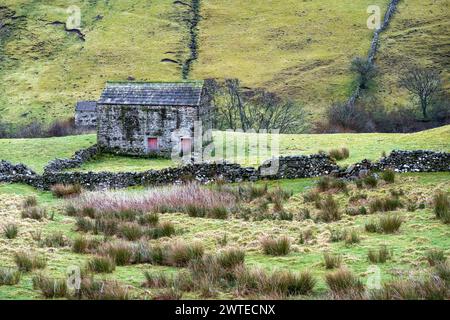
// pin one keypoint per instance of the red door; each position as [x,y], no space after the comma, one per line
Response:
[186,145]
[152,144]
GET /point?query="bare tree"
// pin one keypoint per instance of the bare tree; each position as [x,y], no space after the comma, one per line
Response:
[424,83]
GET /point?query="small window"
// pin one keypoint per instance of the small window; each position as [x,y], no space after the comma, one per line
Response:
[152,144]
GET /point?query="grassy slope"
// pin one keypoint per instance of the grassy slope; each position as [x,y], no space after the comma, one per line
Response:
[420,232]
[418,34]
[37,152]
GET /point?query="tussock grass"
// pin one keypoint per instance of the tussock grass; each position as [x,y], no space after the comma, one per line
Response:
[276,247]
[343,283]
[370,181]
[120,252]
[82,244]
[388,176]
[390,223]
[435,256]
[329,210]
[332,261]
[131,231]
[66,191]
[36,213]
[385,204]
[163,229]
[27,262]
[180,253]
[55,240]
[441,203]
[30,201]
[352,237]
[339,154]
[231,257]
[100,264]
[91,289]
[9,277]
[380,255]
[10,231]
[149,219]
[168,294]
[84,224]
[50,288]
[430,288]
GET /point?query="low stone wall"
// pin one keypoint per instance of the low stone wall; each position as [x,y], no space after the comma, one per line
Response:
[283,168]
[80,157]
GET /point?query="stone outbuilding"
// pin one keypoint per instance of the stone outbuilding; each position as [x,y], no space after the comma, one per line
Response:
[86,114]
[153,118]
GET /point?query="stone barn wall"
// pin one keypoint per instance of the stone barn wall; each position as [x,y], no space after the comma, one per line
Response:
[86,114]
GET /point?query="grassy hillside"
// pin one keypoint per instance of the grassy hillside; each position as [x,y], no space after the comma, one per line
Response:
[37,152]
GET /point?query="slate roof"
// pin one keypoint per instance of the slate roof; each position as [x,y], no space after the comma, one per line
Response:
[86,106]
[186,93]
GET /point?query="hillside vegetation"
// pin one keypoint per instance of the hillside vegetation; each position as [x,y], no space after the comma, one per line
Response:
[37,152]
[298,49]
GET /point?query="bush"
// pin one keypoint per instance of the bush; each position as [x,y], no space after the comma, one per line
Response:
[379,256]
[66,191]
[329,210]
[10,231]
[29,201]
[179,254]
[388,176]
[231,258]
[343,282]
[149,219]
[49,287]
[332,261]
[27,262]
[131,231]
[35,213]
[276,247]
[370,181]
[99,264]
[390,223]
[9,277]
[441,204]
[435,256]
[339,154]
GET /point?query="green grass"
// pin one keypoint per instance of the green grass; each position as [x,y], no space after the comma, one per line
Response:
[37,152]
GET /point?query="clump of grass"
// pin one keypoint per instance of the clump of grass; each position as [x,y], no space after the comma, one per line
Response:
[100,264]
[442,270]
[9,277]
[352,237]
[108,227]
[131,231]
[84,224]
[163,229]
[157,280]
[35,213]
[343,282]
[276,247]
[10,231]
[231,257]
[432,288]
[66,190]
[148,219]
[91,289]
[195,211]
[370,181]
[30,201]
[168,294]
[27,262]
[390,223]
[329,210]
[84,245]
[179,254]
[337,234]
[50,288]
[291,284]
[219,212]
[435,256]
[329,183]
[388,176]
[380,255]
[306,235]
[312,196]
[120,252]
[371,226]
[54,240]
[339,154]
[441,204]
[332,261]
[385,204]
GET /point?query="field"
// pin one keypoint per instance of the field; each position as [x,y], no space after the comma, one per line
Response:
[38,152]
[310,238]
[45,70]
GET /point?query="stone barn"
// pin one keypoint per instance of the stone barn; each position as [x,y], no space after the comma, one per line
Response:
[86,114]
[153,118]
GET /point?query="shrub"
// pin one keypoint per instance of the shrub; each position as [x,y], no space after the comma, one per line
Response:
[370,181]
[179,254]
[343,282]
[49,287]
[99,264]
[35,213]
[27,262]
[435,256]
[164,229]
[352,237]
[339,154]
[54,240]
[131,231]
[29,201]
[379,256]
[9,277]
[388,176]
[441,204]
[149,219]
[276,247]
[66,191]
[120,252]
[332,261]
[84,224]
[231,257]
[329,210]
[219,212]
[390,223]
[10,231]
[91,289]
